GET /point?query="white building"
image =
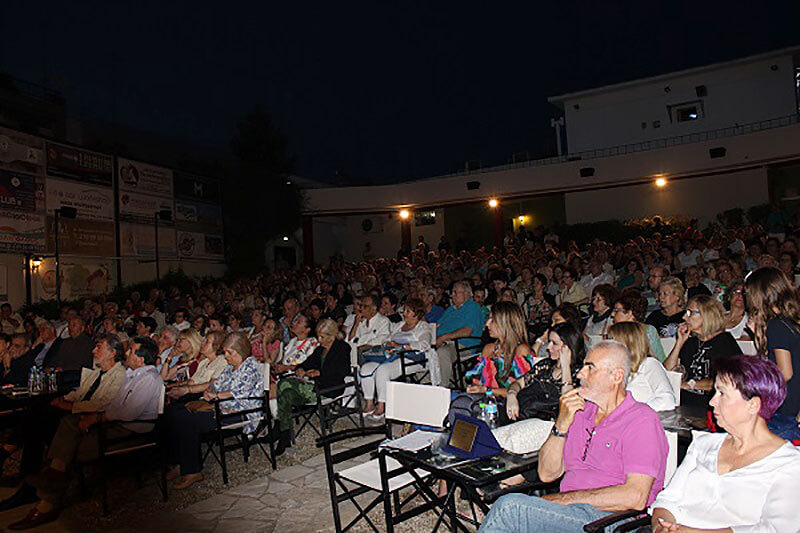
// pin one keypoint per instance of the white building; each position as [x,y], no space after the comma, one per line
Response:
[724,136]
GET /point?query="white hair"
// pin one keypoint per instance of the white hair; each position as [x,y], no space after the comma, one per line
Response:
[622,353]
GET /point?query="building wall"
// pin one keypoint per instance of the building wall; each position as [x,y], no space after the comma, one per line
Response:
[702,198]
[736,94]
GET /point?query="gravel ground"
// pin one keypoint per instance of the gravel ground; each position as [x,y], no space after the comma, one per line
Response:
[127,500]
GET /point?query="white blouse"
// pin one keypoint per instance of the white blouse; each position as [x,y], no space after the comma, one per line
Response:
[298,351]
[738,330]
[421,332]
[758,498]
[650,385]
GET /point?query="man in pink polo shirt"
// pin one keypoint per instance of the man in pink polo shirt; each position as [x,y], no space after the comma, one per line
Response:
[610,449]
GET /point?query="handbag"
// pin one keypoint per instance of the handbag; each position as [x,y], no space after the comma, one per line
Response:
[539,399]
[199,405]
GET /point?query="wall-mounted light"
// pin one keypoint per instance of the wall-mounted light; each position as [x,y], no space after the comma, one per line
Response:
[35,264]
[493,203]
[285,238]
[404,214]
[521,218]
[661,182]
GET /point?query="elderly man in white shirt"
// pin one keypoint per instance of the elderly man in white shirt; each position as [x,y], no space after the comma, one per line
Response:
[370,328]
[596,276]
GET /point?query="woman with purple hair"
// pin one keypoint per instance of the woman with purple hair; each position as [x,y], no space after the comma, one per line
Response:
[746,479]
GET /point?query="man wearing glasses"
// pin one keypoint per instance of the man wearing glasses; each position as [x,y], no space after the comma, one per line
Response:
[610,449]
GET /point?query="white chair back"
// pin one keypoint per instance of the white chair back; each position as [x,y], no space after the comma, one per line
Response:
[667,343]
[417,404]
[675,380]
[161,395]
[672,456]
[747,347]
[265,376]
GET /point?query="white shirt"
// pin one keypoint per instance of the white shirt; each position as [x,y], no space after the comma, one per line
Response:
[589,282]
[372,332]
[760,497]
[183,325]
[690,259]
[650,385]
[738,330]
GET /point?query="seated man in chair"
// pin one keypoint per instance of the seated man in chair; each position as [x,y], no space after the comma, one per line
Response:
[137,399]
[611,450]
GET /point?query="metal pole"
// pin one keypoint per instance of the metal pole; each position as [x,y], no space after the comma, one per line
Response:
[557,125]
[158,273]
[28,259]
[58,265]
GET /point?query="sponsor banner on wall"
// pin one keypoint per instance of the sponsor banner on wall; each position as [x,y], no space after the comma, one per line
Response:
[81,237]
[3,283]
[79,279]
[91,201]
[189,215]
[200,245]
[21,232]
[17,191]
[139,240]
[198,188]
[141,208]
[79,164]
[22,152]
[144,178]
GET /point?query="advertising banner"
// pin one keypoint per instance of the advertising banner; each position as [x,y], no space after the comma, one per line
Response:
[22,152]
[139,241]
[198,188]
[142,177]
[21,232]
[17,191]
[81,237]
[189,215]
[91,201]
[79,279]
[200,245]
[79,164]
[141,208]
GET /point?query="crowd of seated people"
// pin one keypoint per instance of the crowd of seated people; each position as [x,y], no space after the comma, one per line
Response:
[557,327]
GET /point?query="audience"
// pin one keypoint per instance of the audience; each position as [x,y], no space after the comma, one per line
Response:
[462,319]
[609,450]
[745,479]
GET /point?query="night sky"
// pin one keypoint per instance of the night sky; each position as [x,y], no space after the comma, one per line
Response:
[376,91]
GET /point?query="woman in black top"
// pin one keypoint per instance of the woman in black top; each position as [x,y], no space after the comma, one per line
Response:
[702,340]
[328,366]
[774,311]
[671,298]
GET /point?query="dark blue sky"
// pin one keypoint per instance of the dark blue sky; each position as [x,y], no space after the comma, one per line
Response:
[377,90]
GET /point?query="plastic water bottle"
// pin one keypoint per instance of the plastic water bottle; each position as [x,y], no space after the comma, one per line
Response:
[490,410]
[32,380]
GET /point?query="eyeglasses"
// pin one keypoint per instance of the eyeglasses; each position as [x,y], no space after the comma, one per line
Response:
[591,433]
[693,312]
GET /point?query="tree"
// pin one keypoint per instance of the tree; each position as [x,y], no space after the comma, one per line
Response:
[260,201]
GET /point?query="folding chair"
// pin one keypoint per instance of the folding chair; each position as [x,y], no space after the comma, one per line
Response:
[111,449]
[230,427]
[328,408]
[465,358]
[381,476]
[416,372]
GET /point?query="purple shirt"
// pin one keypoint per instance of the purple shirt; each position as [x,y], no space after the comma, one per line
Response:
[630,440]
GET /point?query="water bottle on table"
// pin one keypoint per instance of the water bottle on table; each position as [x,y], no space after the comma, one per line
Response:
[490,410]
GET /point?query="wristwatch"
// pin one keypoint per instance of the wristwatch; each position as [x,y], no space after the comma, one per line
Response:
[557,433]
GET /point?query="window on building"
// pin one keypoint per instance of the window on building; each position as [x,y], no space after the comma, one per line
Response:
[424,218]
[686,112]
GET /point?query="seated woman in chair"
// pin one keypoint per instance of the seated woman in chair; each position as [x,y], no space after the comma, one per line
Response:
[211,365]
[550,377]
[375,376]
[328,366]
[242,380]
[300,347]
[648,381]
[746,479]
[187,348]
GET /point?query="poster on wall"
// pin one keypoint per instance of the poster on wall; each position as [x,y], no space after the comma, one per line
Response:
[141,208]
[79,164]
[198,188]
[140,241]
[22,152]
[81,237]
[17,191]
[3,283]
[78,279]
[200,245]
[190,215]
[142,177]
[21,232]
[91,201]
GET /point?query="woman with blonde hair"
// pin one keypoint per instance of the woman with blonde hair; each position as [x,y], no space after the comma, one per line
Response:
[774,310]
[672,299]
[188,345]
[702,340]
[508,358]
[648,382]
[210,367]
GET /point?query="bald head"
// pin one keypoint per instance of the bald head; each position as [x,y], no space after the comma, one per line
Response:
[605,371]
